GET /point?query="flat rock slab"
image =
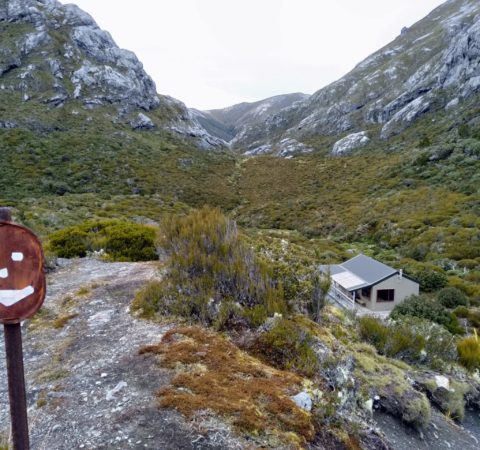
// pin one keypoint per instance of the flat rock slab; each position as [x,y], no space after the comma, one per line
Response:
[87,385]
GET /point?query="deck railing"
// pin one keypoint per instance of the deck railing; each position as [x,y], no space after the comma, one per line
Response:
[342,298]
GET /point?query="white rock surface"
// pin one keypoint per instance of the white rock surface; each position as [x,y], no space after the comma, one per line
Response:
[442,382]
[303,400]
[349,143]
[142,122]
[452,104]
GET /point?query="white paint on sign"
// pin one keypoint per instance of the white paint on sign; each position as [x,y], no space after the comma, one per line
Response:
[4,273]
[17,256]
[13,296]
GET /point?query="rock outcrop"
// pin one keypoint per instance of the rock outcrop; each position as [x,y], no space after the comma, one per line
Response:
[64,47]
[55,56]
[349,143]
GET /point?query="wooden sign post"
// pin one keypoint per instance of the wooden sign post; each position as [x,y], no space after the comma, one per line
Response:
[22,292]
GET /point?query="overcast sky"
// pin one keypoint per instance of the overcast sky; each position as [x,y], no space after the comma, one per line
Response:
[215,53]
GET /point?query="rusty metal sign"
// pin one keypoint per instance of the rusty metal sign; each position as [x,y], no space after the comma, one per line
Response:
[22,292]
[22,275]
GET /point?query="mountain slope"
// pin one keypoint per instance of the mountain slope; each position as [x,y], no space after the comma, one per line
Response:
[431,67]
[80,117]
[54,57]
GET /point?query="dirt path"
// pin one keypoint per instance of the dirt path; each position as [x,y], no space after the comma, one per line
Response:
[87,387]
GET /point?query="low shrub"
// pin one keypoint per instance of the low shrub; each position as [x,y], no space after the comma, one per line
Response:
[469,352]
[414,340]
[213,276]
[122,241]
[426,308]
[405,343]
[374,332]
[148,301]
[439,344]
[451,297]
[287,346]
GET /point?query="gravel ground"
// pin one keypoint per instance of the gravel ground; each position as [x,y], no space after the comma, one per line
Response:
[440,434]
[87,386]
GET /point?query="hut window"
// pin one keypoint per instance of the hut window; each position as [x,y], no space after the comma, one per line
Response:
[385,295]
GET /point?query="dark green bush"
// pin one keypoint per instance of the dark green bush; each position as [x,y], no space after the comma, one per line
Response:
[130,242]
[69,243]
[451,297]
[287,346]
[430,279]
[425,308]
[374,332]
[122,241]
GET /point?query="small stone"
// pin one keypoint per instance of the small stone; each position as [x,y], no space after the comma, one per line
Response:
[111,394]
[442,382]
[303,400]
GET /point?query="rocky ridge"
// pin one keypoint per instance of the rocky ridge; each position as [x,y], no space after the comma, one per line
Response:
[431,67]
[62,46]
[54,56]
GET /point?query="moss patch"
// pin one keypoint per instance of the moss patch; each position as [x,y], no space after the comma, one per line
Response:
[213,374]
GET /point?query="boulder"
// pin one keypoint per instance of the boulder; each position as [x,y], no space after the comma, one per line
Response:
[142,122]
[349,143]
[303,400]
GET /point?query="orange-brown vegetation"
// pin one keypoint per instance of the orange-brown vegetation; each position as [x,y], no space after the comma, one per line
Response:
[213,374]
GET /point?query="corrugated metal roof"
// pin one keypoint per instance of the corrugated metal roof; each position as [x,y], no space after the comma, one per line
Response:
[333,269]
[369,269]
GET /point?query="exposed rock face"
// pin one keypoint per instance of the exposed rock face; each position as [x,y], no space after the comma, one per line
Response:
[78,59]
[55,55]
[286,148]
[430,65]
[187,124]
[349,143]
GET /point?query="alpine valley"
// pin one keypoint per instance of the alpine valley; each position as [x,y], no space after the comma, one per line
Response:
[237,208]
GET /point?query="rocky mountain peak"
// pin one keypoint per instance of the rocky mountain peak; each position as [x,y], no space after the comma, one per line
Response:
[56,53]
[55,56]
